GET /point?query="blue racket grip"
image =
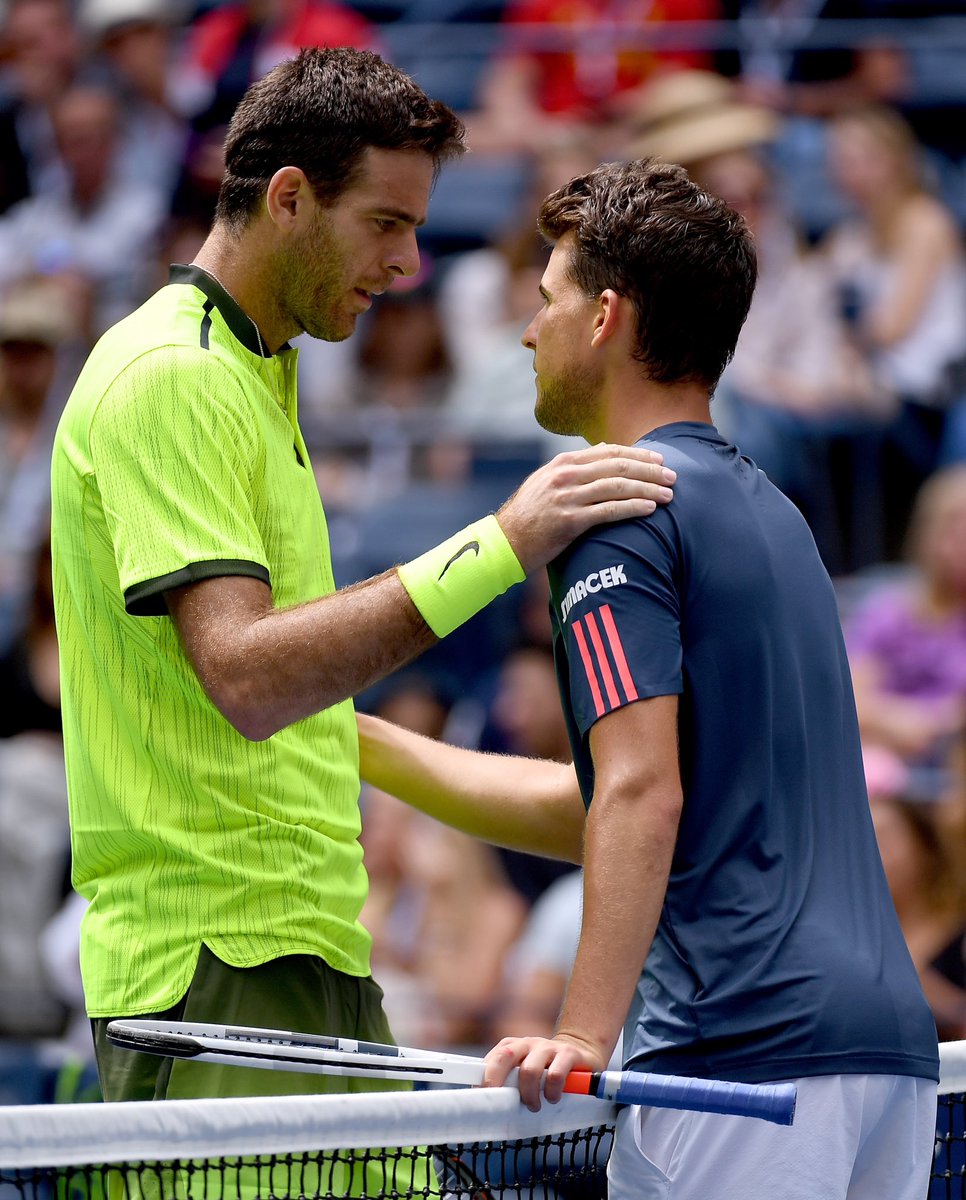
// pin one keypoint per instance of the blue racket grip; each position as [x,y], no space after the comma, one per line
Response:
[773,1102]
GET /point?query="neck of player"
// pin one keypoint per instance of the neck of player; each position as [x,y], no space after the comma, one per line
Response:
[633,407]
[245,275]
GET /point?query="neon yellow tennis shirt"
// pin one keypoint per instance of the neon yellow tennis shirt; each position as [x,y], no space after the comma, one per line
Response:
[179,458]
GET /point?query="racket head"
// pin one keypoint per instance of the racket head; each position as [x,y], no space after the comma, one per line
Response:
[256,1036]
[147,1038]
[313,1054]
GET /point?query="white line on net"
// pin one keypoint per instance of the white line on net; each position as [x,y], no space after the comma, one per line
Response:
[952,1067]
[148,1131]
[78,1134]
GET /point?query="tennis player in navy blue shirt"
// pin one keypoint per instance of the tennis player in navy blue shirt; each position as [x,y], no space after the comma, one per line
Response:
[736,917]
[777,953]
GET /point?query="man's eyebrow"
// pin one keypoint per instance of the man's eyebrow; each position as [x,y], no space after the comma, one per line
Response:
[400,214]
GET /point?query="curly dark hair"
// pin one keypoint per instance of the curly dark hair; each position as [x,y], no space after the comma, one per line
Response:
[320,112]
[685,259]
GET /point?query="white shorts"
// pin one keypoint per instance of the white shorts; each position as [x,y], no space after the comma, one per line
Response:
[855,1137]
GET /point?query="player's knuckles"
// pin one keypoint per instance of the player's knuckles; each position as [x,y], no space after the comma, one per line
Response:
[504,1050]
[565,477]
[618,486]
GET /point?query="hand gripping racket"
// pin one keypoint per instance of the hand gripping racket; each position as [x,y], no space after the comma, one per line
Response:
[275,1049]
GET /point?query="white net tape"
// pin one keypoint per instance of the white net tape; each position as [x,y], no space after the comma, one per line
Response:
[76,1134]
[952,1068]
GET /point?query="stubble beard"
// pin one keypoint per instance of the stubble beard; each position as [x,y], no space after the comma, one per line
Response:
[313,276]
[566,405]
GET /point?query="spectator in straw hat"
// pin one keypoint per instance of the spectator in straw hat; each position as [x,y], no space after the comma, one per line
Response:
[796,380]
[689,116]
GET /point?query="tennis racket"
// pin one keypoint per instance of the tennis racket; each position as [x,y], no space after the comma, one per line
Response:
[278,1050]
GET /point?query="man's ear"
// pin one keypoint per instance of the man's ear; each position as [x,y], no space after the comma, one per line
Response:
[610,318]
[286,196]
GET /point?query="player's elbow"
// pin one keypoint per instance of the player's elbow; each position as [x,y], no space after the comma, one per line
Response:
[251,724]
[243,704]
[254,730]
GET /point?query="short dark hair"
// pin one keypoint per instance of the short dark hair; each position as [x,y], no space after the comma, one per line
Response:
[319,112]
[685,259]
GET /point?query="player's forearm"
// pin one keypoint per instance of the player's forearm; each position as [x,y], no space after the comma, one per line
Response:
[524,804]
[265,668]
[629,844]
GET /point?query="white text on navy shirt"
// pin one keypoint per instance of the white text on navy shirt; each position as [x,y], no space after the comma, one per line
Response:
[606,577]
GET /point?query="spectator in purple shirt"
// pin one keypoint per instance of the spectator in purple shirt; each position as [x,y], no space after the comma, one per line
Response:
[907,641]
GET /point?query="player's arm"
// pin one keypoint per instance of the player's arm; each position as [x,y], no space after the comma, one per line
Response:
[628,847]
[265,668]
[524,804]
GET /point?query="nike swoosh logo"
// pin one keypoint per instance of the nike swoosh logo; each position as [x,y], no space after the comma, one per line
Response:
[474,546]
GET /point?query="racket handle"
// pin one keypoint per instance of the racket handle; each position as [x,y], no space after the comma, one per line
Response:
[769,1101]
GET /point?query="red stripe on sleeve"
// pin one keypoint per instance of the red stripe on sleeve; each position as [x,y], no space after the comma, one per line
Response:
[617,649]
[589,668]
[606,673]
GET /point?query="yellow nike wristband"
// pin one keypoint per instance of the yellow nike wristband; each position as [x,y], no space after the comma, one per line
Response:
[454,580]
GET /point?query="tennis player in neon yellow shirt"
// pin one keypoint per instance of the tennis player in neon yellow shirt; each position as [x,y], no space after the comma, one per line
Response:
[207,659]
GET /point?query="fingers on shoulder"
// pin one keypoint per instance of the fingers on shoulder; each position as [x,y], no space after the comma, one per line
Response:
[619,453]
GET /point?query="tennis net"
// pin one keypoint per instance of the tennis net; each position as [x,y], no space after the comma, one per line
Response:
[442,1142]
[468,1143]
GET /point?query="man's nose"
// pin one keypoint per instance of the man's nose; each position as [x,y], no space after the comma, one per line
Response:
[405,257]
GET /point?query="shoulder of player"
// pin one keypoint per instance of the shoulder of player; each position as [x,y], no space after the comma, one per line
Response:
[141,387]
[619,545]
[658,535]
[186,365]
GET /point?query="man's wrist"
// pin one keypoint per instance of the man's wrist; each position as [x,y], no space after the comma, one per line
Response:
[453,581]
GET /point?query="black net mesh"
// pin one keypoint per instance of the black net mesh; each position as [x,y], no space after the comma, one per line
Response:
[948,1180]
[568,1165]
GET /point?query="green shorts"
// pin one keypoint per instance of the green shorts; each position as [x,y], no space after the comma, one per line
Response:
[299,992]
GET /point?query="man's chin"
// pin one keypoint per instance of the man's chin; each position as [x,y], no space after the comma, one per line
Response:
[332,332]
[554,422]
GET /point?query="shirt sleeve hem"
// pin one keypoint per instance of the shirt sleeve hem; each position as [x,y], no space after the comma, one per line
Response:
[673,687]
[146,599]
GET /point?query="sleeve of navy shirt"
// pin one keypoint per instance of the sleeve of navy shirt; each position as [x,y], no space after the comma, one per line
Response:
[619,611]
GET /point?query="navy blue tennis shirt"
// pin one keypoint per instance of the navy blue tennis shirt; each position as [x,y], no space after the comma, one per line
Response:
[778,952]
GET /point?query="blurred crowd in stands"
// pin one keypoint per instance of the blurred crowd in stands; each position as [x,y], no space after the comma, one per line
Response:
[837,128]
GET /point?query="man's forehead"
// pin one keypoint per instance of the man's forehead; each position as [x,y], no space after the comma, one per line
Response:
[399,179]
[558,265]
